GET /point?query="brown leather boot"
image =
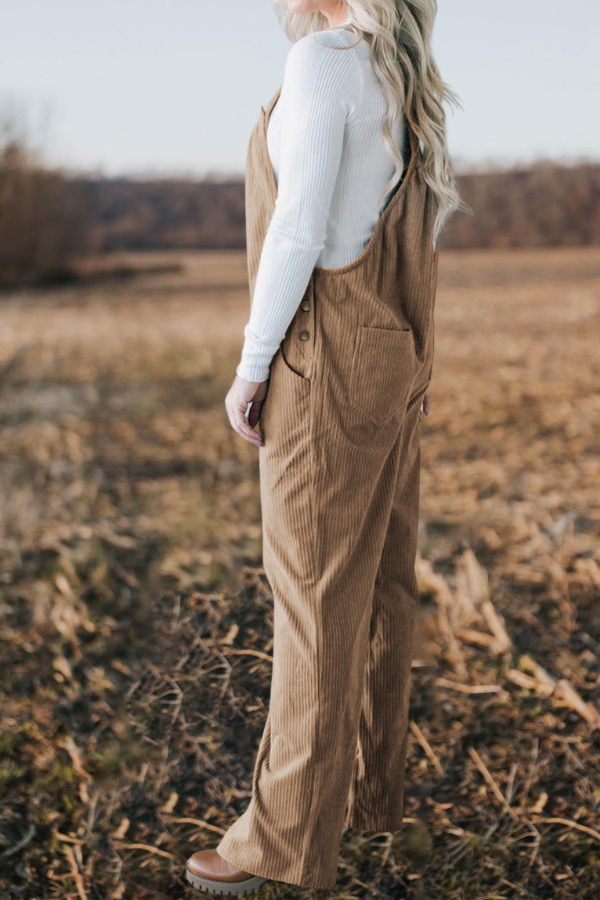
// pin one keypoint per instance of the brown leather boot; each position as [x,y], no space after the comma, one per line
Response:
[209,872]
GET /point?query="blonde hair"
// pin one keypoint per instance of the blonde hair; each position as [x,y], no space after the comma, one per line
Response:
[399,33]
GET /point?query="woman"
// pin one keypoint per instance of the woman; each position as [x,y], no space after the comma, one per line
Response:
[343,216]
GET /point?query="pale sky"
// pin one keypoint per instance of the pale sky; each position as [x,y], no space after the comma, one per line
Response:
[149,87]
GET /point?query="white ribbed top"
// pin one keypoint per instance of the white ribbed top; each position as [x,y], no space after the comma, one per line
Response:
[327,152]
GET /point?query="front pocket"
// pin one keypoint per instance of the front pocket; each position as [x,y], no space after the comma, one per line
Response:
[383,368]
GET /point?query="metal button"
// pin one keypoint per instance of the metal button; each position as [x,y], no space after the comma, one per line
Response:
[304,335]
[305,304]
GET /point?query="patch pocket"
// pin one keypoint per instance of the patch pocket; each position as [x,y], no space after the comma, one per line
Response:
[383,368]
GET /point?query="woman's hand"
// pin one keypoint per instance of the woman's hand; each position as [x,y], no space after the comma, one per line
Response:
[240,394]
[425,406]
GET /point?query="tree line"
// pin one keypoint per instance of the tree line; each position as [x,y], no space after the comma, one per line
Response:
[50,218]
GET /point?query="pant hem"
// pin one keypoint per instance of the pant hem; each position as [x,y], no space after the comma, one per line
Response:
[237,855]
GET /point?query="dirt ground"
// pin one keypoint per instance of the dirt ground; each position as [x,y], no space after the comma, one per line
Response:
[136,620]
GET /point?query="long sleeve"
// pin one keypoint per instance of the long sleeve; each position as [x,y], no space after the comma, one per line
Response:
[317,96]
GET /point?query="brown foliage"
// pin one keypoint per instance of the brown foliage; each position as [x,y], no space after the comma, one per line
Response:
[547,205]
[49,219]
[165,214]
[42,217]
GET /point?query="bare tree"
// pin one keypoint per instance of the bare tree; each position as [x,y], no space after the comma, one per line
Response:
[43,214]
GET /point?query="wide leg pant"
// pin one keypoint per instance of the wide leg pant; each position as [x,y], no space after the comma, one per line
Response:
[340,500]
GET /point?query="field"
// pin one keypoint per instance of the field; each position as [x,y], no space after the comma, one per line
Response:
[135,617]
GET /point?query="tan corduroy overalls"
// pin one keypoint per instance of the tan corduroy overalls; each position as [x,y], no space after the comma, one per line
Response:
[339,476]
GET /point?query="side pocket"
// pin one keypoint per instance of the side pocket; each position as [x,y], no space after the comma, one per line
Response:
[290,367]
[383,369]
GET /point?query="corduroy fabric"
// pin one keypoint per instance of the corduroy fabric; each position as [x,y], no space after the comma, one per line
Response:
[339,481]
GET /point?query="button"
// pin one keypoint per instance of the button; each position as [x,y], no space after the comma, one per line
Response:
[304,335]
[305,304]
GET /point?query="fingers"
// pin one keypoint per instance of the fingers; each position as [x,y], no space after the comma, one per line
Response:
[240,424]
[425,406]
[426,403]
[243,404]
[254,414]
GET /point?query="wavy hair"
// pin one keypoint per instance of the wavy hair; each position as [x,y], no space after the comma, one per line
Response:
[399,33]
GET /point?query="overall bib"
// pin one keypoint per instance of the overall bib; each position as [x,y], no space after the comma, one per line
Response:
[339,483]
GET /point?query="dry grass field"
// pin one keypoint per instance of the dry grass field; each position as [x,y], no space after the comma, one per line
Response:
[136,620]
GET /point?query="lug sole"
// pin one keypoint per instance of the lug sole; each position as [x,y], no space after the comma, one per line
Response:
[227,888]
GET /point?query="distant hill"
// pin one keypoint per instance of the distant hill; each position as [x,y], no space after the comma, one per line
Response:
[545,205]
[165,214]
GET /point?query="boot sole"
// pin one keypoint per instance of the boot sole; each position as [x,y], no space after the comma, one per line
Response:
[230,888]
